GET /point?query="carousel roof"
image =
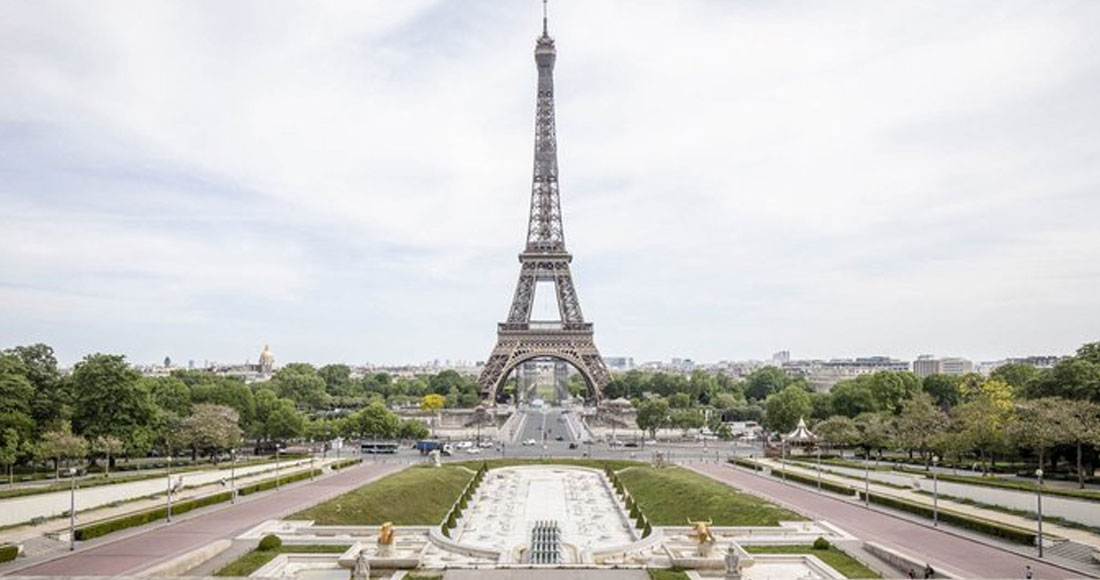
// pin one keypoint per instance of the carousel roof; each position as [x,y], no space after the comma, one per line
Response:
[801,433]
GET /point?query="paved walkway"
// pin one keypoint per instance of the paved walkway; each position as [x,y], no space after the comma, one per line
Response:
[137,552]
[1050,528]
[962,556]
[86,515]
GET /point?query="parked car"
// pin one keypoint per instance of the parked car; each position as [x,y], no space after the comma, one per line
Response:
[464,444]
[485,444]
[630,444]
[528,442]
[572,445]
[473,450]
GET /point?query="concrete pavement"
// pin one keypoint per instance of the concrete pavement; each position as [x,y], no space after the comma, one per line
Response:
[963,556]
[133,553]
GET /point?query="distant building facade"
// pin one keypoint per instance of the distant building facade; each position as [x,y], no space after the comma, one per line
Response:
[926,365]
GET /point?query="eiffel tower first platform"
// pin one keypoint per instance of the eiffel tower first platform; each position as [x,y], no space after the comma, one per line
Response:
[545,260]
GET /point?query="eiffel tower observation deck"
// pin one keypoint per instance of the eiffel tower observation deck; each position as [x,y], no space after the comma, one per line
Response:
[544,263]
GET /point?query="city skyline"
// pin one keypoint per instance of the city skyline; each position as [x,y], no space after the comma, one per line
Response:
[735,179]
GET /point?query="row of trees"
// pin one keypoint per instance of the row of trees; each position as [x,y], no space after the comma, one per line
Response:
[104,409]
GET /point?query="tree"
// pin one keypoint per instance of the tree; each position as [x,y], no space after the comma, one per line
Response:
[919,423]
[61,445]
[16,395]
[432,403]
[111,400]
[337,379]
[170,394]
[52,402]
[109,447]
[411,429]
[679,400]
[687,419]
[375,420]
[875,431]
[1017,375]
[762,383]
[299,383]
[853,397]
[212,429]
[652,415]
[1039,424]
[785,408]
[943,388]
[1081,422]
[1076,379]
[10,449]
[838,431]
[983,423]
[230,392]
[284,422]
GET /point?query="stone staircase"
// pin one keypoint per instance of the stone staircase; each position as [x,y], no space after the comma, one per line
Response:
[1081,555]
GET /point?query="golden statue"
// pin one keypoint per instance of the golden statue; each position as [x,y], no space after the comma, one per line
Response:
[701,531]
[385,534]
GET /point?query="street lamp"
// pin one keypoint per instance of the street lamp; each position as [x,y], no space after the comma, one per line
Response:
[233,476]
[818,469]
[935,492]
[867,482]
[72,509]
[169,494]
[783,458]
[1039,505]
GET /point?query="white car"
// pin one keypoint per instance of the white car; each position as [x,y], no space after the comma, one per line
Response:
[650,441]
[528,441]
[473,450]
[464,444]
[485,444]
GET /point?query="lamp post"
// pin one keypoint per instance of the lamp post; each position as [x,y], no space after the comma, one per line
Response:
[935,493]
[169,489]
[233,476]
[276,466]
[311,465]
[72,509]
[1039,505]
[783,458]
[818,469]
[867,482]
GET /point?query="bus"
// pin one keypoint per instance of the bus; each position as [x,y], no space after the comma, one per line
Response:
[376,447]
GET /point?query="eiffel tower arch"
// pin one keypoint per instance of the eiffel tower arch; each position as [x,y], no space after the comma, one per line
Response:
[545,262]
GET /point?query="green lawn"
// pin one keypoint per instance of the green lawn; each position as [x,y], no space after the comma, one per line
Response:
[843,563]
[418,495]
[667,574]
[253,560]
[615,464]
[670,495]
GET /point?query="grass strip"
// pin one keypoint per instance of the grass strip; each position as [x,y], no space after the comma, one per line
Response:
[254,560]
[672,495]
[418,495]
[667,574]
[839,560]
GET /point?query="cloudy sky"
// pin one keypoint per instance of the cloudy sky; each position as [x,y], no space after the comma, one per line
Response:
[349,181]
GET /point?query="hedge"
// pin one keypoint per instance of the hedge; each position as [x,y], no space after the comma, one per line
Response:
[825,484]
[451,521]
[747,463]
[141,518]
[8,552]
[345,463]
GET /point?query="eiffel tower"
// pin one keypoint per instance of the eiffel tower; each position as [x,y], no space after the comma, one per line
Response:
[545,260]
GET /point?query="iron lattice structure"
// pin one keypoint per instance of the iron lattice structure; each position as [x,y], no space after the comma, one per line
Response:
[545,259]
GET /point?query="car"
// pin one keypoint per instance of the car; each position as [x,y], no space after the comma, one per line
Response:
[464,444]
[559,438]
[614,443]
[485,444]
[473,450]
[630,444]
[572,445]
[650,441]
[528,442]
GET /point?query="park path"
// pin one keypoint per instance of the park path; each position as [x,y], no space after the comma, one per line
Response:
[910,495]
[966,557]
[140,551]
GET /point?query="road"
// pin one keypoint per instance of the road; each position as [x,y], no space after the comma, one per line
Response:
[943,550]
[548,421]
[132,554]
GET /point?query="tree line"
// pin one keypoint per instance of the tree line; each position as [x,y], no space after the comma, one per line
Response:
[105,409]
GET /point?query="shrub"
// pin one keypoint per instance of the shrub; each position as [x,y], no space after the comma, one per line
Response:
[270,542]
[647,530]
[821,543]
[8,552]
[987,527]
[345,463]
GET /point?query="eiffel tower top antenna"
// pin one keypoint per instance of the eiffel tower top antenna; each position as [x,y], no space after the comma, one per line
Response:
[544,19]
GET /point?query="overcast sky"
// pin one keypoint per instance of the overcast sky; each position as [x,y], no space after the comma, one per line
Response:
[350,181]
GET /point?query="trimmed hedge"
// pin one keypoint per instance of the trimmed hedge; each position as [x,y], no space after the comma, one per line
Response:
[747,463]
[141,518]
[8,552]
[345,463]
[825,484]
[451,521]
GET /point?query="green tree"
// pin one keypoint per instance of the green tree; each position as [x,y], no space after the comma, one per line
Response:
[109,447]
[170,394]
[299,383]
[652,415]
[337,379]
[762,383]
[16,395]
[1081,422]
[411,429]
[52,402]
[1018,375]
[284,422]
[920,421]
[61,445]
[1076,379]
[11,447]
[375,420]
[943,388]
[838,431]
[1040,424]
[785,408]
[213,429]
[687,419]
[983,424]
[679,400]
[875,430]
[852,398]
[230,392]
[110,400]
